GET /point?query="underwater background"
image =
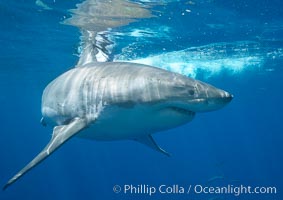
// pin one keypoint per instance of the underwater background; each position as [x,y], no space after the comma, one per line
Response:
[234,45]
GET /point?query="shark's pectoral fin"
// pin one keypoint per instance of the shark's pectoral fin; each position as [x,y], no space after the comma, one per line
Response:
[60,135]
[149,141]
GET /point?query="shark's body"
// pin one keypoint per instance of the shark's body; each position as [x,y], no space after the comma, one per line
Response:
[114,101]
[118,100]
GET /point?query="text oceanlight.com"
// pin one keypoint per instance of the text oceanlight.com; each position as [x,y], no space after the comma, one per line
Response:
[196,189]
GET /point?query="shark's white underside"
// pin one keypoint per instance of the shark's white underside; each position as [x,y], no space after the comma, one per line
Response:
[117,123]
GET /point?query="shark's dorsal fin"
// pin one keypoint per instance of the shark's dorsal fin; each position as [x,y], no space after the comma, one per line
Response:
[149,141]
[60,135]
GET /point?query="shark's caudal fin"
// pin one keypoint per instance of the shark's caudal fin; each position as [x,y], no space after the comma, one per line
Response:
[149,141]
[60,135]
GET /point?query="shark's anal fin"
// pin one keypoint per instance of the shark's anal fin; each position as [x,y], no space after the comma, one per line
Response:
[149,141]
[60,135]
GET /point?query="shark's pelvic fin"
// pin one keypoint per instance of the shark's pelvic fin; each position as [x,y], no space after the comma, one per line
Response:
[60,135]
[149,141]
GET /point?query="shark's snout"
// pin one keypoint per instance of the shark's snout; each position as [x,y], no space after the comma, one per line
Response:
[228,97]
[208,98]
[216,99]
[218,95]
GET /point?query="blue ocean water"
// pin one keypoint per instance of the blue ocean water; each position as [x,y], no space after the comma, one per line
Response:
[237,46]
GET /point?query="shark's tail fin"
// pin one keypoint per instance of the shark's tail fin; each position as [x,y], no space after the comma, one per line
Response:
[60,135]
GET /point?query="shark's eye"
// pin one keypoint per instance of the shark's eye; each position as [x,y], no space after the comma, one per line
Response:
[191,92]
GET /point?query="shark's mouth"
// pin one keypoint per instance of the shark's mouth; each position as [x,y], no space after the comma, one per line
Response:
[183,111]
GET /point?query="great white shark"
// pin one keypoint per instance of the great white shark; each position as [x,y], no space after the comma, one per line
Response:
[118,101]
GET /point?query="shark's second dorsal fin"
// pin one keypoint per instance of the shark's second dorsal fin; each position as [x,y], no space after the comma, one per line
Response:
[60,135]
[149,141]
